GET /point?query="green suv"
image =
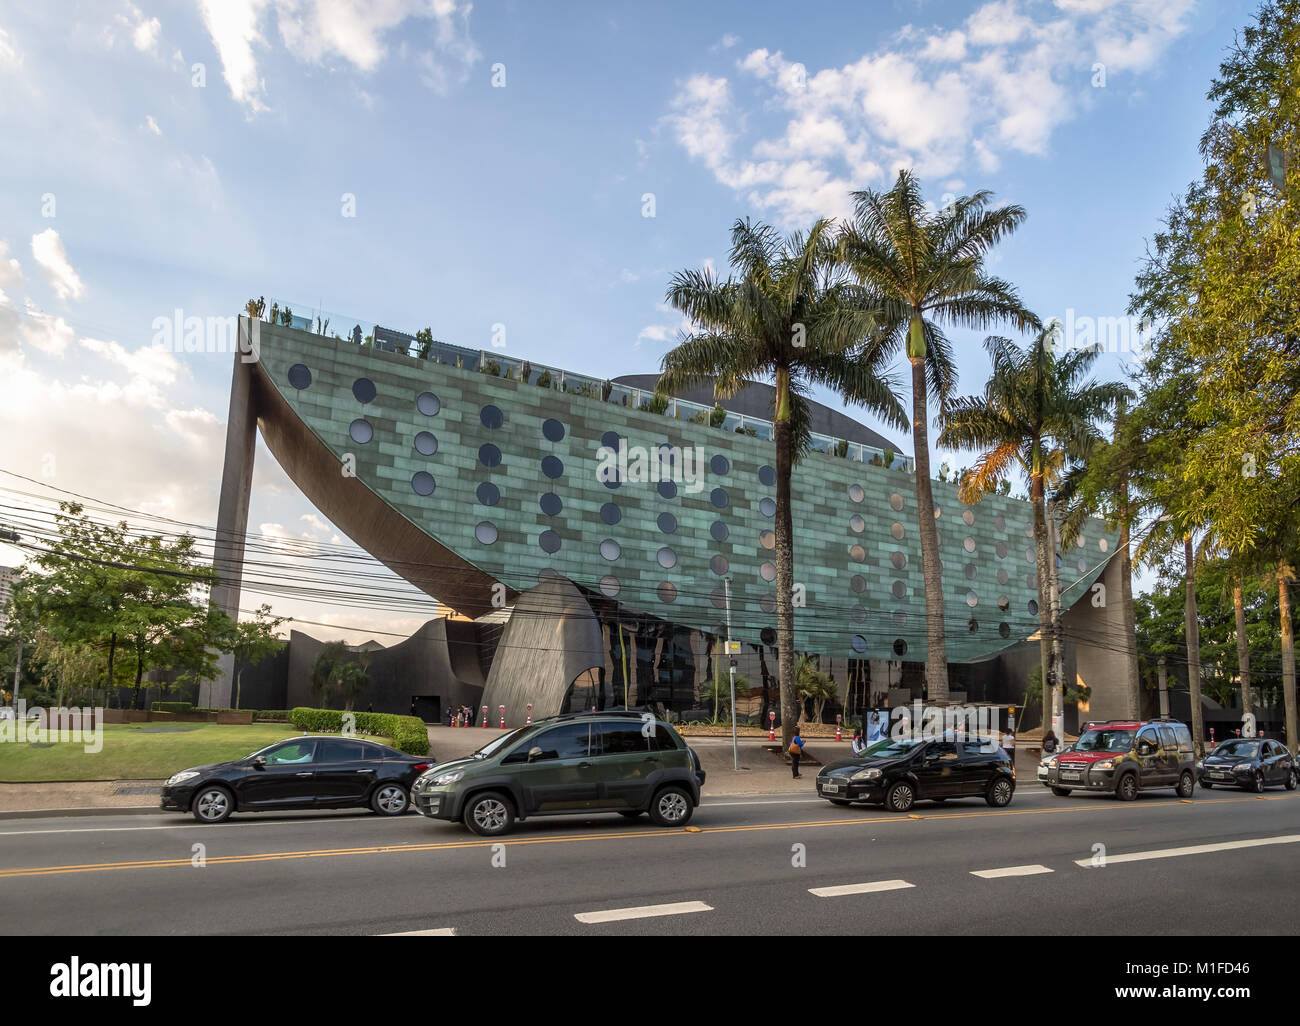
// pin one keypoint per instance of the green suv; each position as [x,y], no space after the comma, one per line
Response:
[629,763]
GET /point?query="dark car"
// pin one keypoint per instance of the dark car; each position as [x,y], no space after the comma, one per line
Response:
[1249,762]
[899,772]
[1124,757]
[305,772]
[629,763]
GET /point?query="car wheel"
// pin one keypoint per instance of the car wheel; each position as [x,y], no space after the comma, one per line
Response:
[213,805]
[1127,788]
[1061,792]
[999,793]
[1186,785]
[489,814]
[1257,783]
[1290,783]
[671,807]
[900,797]
[389,800]
[1207,785]
[631,814]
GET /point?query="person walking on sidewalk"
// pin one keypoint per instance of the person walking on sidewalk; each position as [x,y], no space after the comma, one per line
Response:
[859,745]
[796,750]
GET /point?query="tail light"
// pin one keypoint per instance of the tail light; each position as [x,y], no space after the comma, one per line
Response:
[420,767]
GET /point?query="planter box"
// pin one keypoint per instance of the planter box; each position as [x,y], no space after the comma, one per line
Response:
[236,716]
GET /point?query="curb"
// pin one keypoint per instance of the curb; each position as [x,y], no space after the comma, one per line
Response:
[112,810]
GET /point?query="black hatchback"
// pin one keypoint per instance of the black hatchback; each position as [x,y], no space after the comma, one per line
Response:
[306,772]
[899,772]
[1250,762]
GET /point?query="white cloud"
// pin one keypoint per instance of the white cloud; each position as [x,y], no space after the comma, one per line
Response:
[145,34]
[232,24]
[52,260]
[11,272]
[10,58]
[794,141]
[45,332]
[148,364]
[152,125]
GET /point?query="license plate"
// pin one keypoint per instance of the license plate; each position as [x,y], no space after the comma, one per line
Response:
[1218,775]
[831,788]
[1071,776]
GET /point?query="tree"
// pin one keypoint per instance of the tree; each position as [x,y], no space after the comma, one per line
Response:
[423,343]
[251,641]
[1038,413]
[922,271]
[813,684]
[336,673]
[786,315]
[716,690]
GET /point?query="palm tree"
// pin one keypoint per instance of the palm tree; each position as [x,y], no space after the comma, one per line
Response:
[786,314]
[813,683]
[925,270]
[1037,413]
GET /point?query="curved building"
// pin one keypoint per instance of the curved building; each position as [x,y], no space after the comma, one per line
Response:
[480,478]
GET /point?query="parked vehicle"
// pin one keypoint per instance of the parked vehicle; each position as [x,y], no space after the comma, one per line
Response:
[306,772]
[1125,757]
[1249,762]
[902,771]
[617,762]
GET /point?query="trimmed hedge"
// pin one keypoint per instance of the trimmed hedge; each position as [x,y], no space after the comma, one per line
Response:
[279,715]
[172,707]
[408,732]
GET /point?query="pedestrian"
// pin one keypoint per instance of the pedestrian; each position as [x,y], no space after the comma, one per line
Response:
[1049,742]
[1009,744]
[859,745]
[449,716]
[796,750]
[371,707]
[412,708]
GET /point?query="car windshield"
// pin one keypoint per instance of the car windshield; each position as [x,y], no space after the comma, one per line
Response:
[1105,741]
[891,748]
[496,745]
[1238,749]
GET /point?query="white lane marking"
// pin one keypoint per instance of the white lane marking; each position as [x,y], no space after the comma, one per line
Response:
[615,915]
[1196,849]
[862,888]
[994,874]
[446,931]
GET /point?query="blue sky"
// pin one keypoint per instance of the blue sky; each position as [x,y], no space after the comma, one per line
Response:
[521,204]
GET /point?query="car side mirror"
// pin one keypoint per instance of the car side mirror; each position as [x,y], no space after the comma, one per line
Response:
[1145,748]
[534,753]
[259,762]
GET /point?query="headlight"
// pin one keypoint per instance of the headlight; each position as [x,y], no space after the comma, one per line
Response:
[182,776]
[1051,763]
[866,774]
[1105,764]
[1201,764]
[1244,767]
[447,778]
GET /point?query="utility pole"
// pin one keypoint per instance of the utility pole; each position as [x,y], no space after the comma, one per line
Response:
[13,537]
[731,660]
[1164,687]
[1056,655]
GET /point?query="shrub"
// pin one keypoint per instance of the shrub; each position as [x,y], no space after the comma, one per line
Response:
[491,367]
[277,715]
[407,732]
[175,707]
[544,379]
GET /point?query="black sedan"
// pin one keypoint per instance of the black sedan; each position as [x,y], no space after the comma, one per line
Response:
[300,773]
[899,772]
[1250,762]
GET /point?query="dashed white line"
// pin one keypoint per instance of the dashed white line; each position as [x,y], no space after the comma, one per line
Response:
[446,931]
[615,915]
[1196,849]
[994,874]
[859,888]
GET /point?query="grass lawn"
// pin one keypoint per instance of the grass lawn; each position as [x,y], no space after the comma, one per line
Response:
[129,753]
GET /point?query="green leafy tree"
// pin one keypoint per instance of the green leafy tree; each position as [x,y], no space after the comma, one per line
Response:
[813,685]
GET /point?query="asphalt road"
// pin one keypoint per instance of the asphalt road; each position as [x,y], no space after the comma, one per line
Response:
[961,868]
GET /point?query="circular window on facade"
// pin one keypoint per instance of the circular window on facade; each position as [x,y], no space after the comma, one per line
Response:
[967,517]
[856,493]
[999,522]
[972,599]
[719,498]
[767,539]
[668,489]
[767,571]
[610,549]
[857,553]
[611,480]
[1031,555]
[552,466]
[551,504]
[900,620]
[491,417]
[859,643]
[667,558]
[610,440]
[1083,566]
[858,583]
[898,560]
[767,636]
[718,531]
[489,455]
[1103,544]
[767,507]
[1079,542]
[549,541]
[767,476]
[428,404]
[1029,530]
[610,513]
[488,493]
[422,483]
[363,390]
[718,564]
[1004,603]
[1031,581]
[720,464]
[858,615]
[896,503]
[719,598]
[360,431]
[485,533]
[899,589]
[897,531]
[667,593]
[1004,630]
[968,544]
[299,376]
[857,524]
[1003,577]
[1001,550]
[552,430]
[768,604]
[609,586]
[1033,607]
[426,444]
[667,523]
[900,647]
[938,511]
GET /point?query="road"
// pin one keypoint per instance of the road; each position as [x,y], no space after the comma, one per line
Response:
[758,865]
